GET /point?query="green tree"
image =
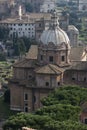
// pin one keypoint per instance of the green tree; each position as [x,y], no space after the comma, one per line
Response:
[22,47]
[19,47]
[4,32]
[28,42]
[2,57]
[73,95]
[28,7]
[60,112]
[16,49]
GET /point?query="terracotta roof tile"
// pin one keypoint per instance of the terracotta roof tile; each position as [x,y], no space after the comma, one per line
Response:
[76,53]
[79,66]
[33,52]
[49,69]
[25,63]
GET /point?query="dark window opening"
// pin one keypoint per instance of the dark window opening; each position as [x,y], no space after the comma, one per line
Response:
[85,121]
[26,109]
[47,83]
[26,104]
[58,83]
[30,76]
[39,24]
[26,97]
[41,57]
[63,58]
[51,58]
[73,78]
[34,99]
[85,79]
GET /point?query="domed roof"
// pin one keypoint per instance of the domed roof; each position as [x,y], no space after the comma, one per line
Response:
[54,34]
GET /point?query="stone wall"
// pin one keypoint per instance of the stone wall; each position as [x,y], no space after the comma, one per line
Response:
[76,77]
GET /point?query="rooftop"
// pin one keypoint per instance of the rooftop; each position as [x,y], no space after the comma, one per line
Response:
[24,63]
[82,65]
[76,50]
[33,52]
[28,18]
[49,69]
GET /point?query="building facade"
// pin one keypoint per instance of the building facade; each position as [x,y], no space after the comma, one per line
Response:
[46,66]
[30,25]
[73,34]
[20,28]
[41,71]
[82,5]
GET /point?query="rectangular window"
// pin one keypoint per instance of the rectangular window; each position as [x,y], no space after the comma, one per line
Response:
[30,76]
[26,109]
[51,58]
[41,57]
[25,96]
[47,83]
[84,78]
[85,121]
[73,78]
[63,58]
[58,83]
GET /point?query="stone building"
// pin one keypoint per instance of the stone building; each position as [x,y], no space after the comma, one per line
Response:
[73,34]
[77,74]
[30,25]
[82,5]
[4,6]
[41,71]
[19,28]
[44,68]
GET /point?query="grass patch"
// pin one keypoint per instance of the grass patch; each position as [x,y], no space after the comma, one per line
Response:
[5,111]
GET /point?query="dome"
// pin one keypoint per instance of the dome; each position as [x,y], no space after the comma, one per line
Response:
[54,34]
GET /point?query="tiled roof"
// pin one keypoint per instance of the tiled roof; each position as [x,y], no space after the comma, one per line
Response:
[39,15]
[28,18]
[49,69]
[76,53]
[79,66]
[17,20]
[24,63]
[33,52]
[29,60]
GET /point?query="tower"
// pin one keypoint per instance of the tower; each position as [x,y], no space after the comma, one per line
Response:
[54,45]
